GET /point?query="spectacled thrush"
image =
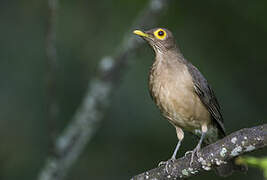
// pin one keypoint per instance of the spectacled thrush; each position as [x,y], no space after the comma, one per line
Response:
[181,92]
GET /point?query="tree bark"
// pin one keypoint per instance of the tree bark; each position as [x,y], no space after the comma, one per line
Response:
[211,156]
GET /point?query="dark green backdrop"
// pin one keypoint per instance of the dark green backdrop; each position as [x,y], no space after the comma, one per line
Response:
[226,40]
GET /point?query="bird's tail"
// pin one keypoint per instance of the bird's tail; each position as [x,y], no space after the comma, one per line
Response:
[225,170]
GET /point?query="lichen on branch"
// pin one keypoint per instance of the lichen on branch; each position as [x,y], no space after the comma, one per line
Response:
[211,156]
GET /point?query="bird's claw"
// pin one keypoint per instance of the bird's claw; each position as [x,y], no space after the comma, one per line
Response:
[188,152]
[161,163]
[167,164]
[195,151]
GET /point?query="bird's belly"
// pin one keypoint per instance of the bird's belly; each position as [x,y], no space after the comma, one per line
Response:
[182,107]
[185,113]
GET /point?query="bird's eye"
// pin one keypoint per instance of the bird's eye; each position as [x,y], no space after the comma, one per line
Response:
[160,34]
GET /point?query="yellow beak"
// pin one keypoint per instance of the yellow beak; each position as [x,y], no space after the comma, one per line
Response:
[140,33]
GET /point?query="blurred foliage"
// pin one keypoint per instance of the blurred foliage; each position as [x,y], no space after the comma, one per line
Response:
[260,163]
[226,40]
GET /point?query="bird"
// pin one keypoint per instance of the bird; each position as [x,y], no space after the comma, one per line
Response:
[182,94]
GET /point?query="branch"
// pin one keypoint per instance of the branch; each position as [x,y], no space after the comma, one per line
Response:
[51,71]
[70,144]
[219,153]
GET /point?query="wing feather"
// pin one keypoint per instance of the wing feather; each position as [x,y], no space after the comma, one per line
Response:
[207,96]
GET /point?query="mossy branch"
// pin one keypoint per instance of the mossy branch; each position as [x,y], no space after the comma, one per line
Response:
[219,153]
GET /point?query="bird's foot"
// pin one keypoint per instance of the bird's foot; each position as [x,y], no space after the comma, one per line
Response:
[188,152]
[195,151]
[167,164]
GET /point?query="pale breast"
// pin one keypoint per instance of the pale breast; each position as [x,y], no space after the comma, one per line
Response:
[173,92]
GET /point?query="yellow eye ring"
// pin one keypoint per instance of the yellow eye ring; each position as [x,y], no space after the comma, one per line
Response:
[160,34]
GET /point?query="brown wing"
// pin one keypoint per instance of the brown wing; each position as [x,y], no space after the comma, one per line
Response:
[207,96]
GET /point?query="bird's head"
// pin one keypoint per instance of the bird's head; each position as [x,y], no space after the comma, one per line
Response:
[160,39]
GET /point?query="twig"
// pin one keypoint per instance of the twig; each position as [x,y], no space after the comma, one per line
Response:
[219,153]
[70,144]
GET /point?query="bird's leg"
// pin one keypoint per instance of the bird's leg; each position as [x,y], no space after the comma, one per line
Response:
[173,155]
[204,130]
[176,150]
[180,135]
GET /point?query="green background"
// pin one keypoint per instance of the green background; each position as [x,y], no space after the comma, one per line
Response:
[226,40]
